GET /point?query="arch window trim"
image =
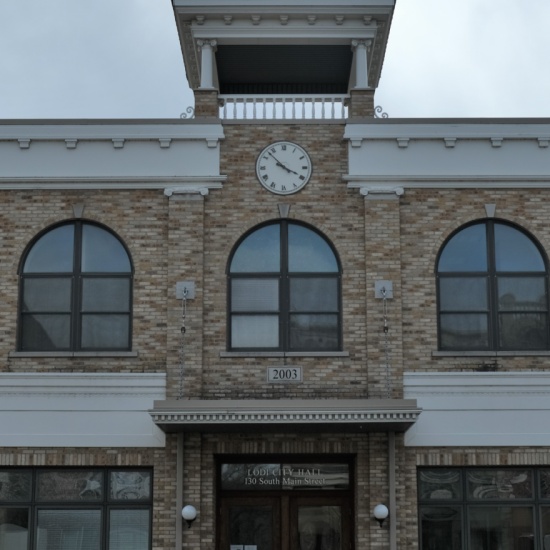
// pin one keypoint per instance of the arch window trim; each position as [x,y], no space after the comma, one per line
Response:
[284,312]
[81,307]
[495,311]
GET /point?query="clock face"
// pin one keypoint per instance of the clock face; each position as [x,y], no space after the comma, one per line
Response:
[283,168]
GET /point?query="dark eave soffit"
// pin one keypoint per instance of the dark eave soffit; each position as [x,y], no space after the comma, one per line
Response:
[284,69]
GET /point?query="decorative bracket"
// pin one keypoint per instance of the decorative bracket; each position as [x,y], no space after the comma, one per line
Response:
[366,190]
[383,289]
[169,191]
[185,289]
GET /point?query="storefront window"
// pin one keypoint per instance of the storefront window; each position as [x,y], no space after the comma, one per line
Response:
[484,508]
[75,509]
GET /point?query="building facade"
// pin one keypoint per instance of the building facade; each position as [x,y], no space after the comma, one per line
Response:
[282,311]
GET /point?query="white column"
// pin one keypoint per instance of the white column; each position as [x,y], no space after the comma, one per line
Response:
[360,48]
[179,491]
[392,490]
[207,62]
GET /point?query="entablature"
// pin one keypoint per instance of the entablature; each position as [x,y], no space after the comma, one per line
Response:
[386,154]
[110,153]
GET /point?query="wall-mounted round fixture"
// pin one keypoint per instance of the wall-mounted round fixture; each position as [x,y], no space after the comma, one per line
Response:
[380,513]
[189,514]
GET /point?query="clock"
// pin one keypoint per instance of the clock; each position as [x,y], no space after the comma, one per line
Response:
[283,167]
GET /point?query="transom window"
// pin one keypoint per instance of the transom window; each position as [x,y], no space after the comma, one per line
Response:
[492,290]
[75,509]
[484,508]
[284,291]
[75,292]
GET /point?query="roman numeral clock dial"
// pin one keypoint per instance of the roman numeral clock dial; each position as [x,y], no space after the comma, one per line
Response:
[283,168]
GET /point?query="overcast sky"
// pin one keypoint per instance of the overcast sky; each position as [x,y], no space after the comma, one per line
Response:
[122,59]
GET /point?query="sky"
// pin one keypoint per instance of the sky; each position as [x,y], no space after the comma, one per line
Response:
[122,59]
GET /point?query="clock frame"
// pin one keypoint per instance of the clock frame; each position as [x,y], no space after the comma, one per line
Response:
[284,167]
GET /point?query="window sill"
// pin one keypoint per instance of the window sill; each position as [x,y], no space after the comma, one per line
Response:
[230,354]
[26,354]
[524,353]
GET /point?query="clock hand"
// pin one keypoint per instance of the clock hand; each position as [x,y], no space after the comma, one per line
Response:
[279,163]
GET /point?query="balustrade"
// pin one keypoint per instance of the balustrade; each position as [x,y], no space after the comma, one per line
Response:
[283,107]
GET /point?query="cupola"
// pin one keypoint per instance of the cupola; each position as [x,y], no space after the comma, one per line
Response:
[283,49]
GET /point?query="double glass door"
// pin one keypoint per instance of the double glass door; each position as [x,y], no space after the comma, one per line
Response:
[285,522]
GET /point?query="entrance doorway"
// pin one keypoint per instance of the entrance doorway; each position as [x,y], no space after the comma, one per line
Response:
[285,506]
[285,523]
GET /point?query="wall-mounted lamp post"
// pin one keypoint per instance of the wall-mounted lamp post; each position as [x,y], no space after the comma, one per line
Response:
[189,514]
[380,513]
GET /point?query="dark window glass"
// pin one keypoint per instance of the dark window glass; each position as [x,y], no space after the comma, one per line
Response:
[15,485]
[492,290]
[48,294]
[14,528]
[89,307]
[68,485]
[53,252]
[317,332]
[522,331]
[497,527]
[255,295]
[441,527]
[313,294]
[463,294]
[545,527]
[284,291]
[466,251]
[130,485]
[463,331]
[544,483]
[308,251]
[102,251]
[515,251]
[499,484]
[106,294]
[254,331]
[129,529]
[259,252]
[68,529]
[45,332]
[251,525]
[75,509]
[440,485]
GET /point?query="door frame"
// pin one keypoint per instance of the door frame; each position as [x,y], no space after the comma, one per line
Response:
[286,502]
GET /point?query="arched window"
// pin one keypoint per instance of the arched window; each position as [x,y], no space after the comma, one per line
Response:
[492,290]
[75,291]
[284,291]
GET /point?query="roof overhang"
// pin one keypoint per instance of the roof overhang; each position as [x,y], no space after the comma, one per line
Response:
[320,25]
[285,415]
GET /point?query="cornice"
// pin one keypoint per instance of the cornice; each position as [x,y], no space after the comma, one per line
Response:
[398,185]
[352,416]
[169,185]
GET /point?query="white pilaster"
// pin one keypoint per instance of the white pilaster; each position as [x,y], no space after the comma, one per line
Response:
[208,47]
[360,49]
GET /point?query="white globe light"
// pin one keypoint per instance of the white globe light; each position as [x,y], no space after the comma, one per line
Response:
[188,513]
[381,512]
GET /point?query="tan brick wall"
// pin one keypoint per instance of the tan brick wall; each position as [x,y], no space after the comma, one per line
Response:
[140,220]
[428,218]
[325,203]
[361,103]
[383,320]
[190,237]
